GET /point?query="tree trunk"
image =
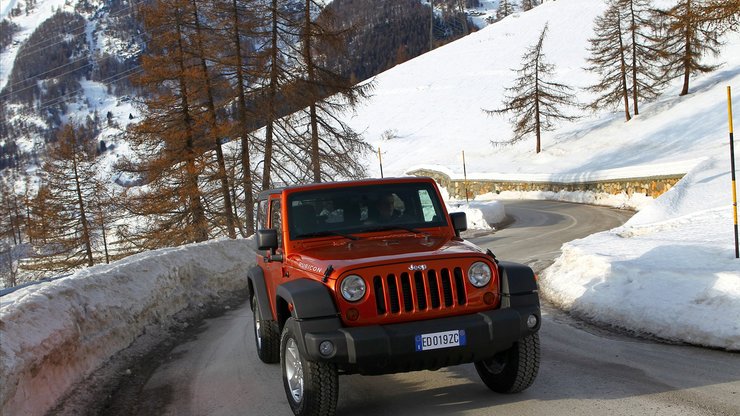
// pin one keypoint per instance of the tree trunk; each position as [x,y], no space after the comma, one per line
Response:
[192,191]
[81,206]
[633,29]
[308,57]
[242,108]
[105,238]
[272,95]
[537,125]
[212,120]
[623,71]
[315,157]
[687,52]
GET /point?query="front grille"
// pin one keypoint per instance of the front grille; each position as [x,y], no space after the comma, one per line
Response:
[419,290]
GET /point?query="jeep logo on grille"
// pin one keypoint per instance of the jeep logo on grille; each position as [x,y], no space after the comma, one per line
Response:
[417,267]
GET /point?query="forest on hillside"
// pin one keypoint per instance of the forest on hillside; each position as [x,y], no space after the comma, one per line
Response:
[207,77]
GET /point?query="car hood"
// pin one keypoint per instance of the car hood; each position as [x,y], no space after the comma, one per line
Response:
[344,255]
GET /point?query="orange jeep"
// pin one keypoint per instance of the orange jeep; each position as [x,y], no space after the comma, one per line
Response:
[372,277]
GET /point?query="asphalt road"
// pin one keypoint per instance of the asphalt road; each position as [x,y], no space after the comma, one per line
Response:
[584,370]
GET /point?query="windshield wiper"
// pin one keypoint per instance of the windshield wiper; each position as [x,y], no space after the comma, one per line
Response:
[392,227]
[326,233]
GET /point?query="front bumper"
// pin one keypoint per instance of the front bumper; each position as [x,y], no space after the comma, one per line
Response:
[385,349]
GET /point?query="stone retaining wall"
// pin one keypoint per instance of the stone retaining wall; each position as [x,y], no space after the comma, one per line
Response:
[652,186]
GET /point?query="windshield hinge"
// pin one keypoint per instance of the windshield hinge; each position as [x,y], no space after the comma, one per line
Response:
[327,272]
[491,255]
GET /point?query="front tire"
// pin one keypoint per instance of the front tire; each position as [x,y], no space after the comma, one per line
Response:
[512,370]
[266,336]
[311,387]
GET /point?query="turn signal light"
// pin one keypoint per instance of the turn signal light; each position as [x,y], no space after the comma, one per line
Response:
[489,298]
[353,314]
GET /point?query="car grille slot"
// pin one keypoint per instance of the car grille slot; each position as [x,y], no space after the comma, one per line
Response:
[393,293]
[433,288]
[460,286]
[446,287]
[379,294]
[408,301]
[419,290]
[421,296]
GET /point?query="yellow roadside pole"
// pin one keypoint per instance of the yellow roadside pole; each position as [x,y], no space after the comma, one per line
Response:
[732,168]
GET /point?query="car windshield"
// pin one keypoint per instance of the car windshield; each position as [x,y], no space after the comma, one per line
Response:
[350,210]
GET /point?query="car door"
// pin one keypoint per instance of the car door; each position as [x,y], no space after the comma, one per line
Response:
[274,269]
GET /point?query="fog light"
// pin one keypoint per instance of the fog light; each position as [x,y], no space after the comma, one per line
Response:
[353,314]
[326,348]
[532,321]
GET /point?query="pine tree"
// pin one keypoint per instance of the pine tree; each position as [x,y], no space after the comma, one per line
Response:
[214,132]
[529,4]
[505,8]
[172,138]
[686,37]
[641,52]
[8,264]
[12,219]
[607,58]
[534,99]
[239,23]
[60,214]
[277,77]
[722,15]
[334,146]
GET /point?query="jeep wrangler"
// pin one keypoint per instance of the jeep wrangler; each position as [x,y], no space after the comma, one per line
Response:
[372,277]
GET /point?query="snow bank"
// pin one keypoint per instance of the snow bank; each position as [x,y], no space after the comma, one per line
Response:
[481,215]
[621,201]
[54,334]
[670,271]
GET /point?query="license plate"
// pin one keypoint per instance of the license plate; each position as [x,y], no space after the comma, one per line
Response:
[438,340]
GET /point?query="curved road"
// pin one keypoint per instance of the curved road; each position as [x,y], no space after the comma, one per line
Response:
[584,370]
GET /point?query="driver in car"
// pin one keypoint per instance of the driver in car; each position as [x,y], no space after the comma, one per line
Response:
[387,211]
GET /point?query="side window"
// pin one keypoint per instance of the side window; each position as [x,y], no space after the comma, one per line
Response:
[427,206]
[276,220]
[262,215]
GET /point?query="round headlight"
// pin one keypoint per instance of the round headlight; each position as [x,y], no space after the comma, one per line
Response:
[479,274]
[353,288]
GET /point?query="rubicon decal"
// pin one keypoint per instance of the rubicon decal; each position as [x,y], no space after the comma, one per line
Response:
[417,267]
[309,267]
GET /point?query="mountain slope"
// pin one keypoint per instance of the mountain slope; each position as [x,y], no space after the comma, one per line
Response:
[433,109]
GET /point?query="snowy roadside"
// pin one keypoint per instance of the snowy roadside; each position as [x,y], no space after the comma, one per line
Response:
[55,334]
[668,272]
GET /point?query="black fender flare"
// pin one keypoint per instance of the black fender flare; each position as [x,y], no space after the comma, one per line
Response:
[518,285]
[310,298]
[258,289]
[519,292]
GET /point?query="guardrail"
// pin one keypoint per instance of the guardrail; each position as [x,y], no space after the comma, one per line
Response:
[651,186]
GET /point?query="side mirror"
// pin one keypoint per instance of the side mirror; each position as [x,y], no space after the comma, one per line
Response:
[267,240]
[459,222]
